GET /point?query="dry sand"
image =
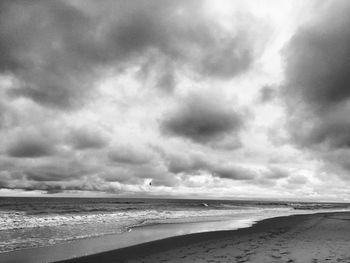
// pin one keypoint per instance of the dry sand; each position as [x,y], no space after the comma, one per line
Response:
[300,238]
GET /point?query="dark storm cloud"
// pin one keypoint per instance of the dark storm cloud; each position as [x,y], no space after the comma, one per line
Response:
[42,46]
[337,162]
[129,155]
[87,139]
[202,119]
[185,164]
[29,146]
[56,175]
[79,172]
[318,80]
[196,164]
[48,175]
[317,64]
[266,94]
[59,187]
[56,49]
[331,130]
[233,172]
[276,173]
[58,170]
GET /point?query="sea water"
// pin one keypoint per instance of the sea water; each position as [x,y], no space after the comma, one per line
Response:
[37,222]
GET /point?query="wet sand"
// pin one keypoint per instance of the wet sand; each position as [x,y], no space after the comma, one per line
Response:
[299,238]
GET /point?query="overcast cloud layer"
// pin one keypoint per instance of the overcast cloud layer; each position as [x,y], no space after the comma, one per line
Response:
[209,99]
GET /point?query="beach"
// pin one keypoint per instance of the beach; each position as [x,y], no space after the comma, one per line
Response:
[322,237]
[154,230]
[82,226]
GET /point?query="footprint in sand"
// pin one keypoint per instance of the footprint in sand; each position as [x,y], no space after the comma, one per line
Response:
[242,258]
[275,255]
[284,252]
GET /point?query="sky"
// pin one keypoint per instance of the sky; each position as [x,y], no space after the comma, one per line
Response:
[182,99]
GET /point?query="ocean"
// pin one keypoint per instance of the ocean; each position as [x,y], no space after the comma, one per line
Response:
[38,222]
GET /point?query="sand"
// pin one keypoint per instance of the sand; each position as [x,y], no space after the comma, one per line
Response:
[299,238]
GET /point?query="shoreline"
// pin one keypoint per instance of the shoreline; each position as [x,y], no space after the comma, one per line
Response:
[93,245]
[126,252]
[262,230]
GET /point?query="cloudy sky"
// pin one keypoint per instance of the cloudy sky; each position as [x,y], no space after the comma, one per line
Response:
[202,99]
